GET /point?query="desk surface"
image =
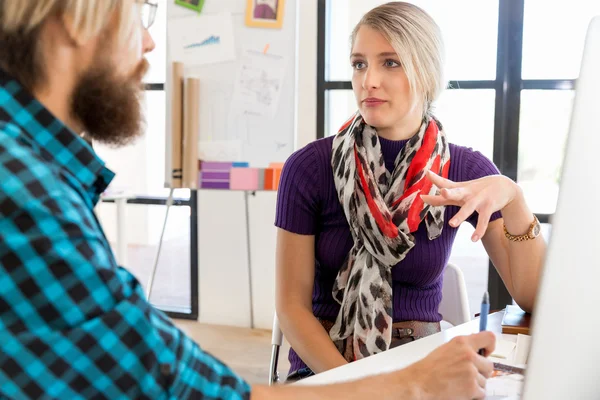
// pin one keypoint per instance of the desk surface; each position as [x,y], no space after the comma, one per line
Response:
[401,357]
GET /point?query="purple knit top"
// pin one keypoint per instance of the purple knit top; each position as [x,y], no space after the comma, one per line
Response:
[308,204]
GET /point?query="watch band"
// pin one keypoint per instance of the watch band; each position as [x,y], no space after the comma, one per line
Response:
[532,233]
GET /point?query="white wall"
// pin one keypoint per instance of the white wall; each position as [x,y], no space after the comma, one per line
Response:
[223,284]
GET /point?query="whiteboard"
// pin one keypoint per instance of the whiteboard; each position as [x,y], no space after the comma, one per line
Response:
[261,140]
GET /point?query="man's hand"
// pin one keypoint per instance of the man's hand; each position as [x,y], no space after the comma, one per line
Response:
[454,370]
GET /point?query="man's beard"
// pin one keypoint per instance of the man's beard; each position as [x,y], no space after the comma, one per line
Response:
[109,108]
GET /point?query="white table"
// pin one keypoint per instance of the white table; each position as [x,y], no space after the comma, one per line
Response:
[402,356]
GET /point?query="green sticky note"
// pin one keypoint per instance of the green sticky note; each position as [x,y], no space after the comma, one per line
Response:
[195,5]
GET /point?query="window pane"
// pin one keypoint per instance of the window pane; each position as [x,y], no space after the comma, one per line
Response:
[158,57]
[544,125]
[339,106]
[470,45]
[171,287]
[553,38]
[468,118]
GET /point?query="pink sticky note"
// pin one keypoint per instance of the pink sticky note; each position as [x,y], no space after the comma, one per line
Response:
[243,179]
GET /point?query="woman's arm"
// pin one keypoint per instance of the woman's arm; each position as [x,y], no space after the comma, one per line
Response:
[294,286]
[518,263]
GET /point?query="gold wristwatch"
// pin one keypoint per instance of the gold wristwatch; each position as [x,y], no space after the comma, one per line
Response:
[534,231]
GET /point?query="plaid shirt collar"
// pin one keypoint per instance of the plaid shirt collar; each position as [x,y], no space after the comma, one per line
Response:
[55,142]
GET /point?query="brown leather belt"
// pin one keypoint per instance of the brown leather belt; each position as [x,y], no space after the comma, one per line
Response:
[402,333]
[408,331]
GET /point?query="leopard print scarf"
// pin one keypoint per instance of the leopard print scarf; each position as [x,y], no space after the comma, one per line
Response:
[382,209]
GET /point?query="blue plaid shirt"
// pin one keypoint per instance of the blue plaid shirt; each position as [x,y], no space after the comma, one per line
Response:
[73,324]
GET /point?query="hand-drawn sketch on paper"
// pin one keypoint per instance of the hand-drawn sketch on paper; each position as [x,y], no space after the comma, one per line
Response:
[258,85]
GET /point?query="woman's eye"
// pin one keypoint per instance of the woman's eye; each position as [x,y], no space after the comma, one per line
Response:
[358,65]
[391,63]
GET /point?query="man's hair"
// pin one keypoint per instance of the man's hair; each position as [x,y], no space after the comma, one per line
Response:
[417,40]
[21,22]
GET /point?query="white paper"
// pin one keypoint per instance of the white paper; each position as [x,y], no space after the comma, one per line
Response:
[522,350]
[258,85]
[202,39]
[504,349]
[220,150]
[504,387]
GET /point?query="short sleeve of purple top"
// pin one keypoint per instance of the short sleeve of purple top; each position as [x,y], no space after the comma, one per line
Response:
[307,204]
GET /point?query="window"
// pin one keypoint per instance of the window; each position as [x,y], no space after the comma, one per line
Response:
[553,38]
[553,41]
[170,288]
[468,118]
[544,124]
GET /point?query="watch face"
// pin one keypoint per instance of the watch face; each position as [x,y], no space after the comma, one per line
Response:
[536,230]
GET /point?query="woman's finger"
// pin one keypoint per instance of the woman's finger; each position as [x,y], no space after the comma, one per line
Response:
[465,212]
[439,181]
[482,224]
[437,200]
[456,194]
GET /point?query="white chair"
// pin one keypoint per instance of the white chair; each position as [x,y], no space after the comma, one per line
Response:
[454,309]
[455,302]
[276,342]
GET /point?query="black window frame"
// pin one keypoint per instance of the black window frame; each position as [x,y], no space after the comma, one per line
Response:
[507,85]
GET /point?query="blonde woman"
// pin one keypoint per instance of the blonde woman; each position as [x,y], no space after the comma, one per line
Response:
[367,218]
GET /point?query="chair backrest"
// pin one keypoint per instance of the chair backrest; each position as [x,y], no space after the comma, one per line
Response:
[277,335]
[455,302]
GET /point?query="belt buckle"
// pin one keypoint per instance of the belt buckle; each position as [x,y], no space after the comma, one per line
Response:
[404,333]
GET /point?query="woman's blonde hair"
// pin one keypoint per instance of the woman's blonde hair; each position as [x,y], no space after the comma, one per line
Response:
[417,40]
[21,22]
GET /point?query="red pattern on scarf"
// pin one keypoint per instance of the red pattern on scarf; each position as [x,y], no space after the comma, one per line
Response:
[385,224]
[423,186]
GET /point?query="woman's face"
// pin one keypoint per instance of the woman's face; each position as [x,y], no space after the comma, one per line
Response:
[380,84]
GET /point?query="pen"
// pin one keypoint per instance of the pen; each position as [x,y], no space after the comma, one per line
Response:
[485,309]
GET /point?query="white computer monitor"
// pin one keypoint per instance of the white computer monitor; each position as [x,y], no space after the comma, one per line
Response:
[565,350]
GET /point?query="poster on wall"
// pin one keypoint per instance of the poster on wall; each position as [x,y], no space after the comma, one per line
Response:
[258,85]
[265,13]
[204,39]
